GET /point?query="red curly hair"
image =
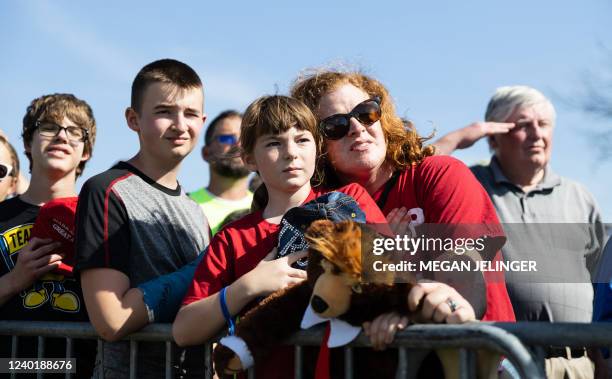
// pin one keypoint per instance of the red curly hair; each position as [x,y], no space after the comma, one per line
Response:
[404,145]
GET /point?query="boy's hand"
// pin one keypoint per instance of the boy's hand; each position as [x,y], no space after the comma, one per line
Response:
[441,303]
[383,328]
[273,274]
[33,261]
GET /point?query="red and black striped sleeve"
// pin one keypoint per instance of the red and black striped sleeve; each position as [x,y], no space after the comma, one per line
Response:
[102,232]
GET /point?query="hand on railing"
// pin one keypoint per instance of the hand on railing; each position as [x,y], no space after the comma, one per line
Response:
[438,302]
[382,329]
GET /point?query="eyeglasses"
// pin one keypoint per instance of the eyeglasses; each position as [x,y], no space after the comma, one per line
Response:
[337,126]
[5,170]
[50,129]
[227,139]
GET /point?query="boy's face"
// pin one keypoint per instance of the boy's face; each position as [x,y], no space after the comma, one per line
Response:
[285,161]
[61,154]
[169,122]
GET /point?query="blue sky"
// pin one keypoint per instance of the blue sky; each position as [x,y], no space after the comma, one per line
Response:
[441,60]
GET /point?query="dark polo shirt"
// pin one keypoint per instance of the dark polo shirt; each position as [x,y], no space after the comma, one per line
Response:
[558,225]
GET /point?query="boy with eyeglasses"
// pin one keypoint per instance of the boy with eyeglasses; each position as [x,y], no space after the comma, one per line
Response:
[227,190]
[58,132]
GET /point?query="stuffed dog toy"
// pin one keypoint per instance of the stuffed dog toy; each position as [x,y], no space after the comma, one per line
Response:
[336,291]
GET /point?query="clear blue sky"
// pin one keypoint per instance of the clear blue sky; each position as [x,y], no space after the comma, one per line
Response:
[441,61]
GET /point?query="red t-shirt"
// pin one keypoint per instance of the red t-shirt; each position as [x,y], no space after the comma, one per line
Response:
[238,247]
[442,190]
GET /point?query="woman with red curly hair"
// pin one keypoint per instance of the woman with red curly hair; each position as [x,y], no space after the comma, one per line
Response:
[368,143]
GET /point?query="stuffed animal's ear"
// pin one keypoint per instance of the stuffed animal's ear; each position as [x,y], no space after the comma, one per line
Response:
[321,228]
[320,236]
[340,243]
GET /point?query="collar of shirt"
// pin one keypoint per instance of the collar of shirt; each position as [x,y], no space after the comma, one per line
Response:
[550,180]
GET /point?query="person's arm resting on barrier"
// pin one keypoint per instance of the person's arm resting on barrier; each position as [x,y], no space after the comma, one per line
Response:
[102,249]
[432,298]
[268,276]
[114,309]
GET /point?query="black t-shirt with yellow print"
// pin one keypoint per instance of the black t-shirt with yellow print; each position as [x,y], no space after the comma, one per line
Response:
[53,297]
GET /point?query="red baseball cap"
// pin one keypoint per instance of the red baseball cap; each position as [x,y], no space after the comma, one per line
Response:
[56,220]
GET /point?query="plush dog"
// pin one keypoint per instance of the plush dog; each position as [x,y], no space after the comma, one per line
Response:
[335,291]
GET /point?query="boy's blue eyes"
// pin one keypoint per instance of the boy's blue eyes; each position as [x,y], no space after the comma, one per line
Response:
[277,143]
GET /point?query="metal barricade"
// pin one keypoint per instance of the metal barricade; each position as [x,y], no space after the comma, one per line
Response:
[466,338]
[508,339]
[84,330]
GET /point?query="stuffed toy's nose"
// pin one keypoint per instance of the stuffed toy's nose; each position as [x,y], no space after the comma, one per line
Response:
[318,305]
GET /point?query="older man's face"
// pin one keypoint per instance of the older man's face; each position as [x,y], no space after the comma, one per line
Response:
[529,143]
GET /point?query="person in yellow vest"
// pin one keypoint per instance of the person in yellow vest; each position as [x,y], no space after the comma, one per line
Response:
[228,188]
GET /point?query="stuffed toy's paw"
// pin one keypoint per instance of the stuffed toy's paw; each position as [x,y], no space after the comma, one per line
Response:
[226,361]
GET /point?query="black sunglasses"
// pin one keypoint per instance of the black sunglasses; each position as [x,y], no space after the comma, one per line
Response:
[337,126]
[5,170]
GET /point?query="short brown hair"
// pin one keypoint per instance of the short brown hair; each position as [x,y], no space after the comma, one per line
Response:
[54,108]
[167,71]
[13,154]
[404,145]
[274,115]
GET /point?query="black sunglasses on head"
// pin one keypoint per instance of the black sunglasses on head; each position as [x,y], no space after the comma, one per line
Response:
[337,126]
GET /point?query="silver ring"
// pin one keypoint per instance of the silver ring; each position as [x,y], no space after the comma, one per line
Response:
[452,304]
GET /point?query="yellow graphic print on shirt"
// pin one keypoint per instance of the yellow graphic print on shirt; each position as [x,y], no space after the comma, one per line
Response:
[49,287]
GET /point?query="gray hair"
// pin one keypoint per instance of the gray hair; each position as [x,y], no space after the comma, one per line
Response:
[506,99]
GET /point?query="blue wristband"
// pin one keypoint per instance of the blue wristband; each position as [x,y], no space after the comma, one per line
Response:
[226,313]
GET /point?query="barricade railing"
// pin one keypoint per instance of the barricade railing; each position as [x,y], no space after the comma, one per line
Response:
[508,339]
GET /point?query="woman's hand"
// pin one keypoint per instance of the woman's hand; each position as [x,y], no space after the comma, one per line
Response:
[383,328]
[440,303]
[399,220]
[273,274]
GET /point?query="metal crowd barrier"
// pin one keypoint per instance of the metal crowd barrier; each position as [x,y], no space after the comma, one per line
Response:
[508,339]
